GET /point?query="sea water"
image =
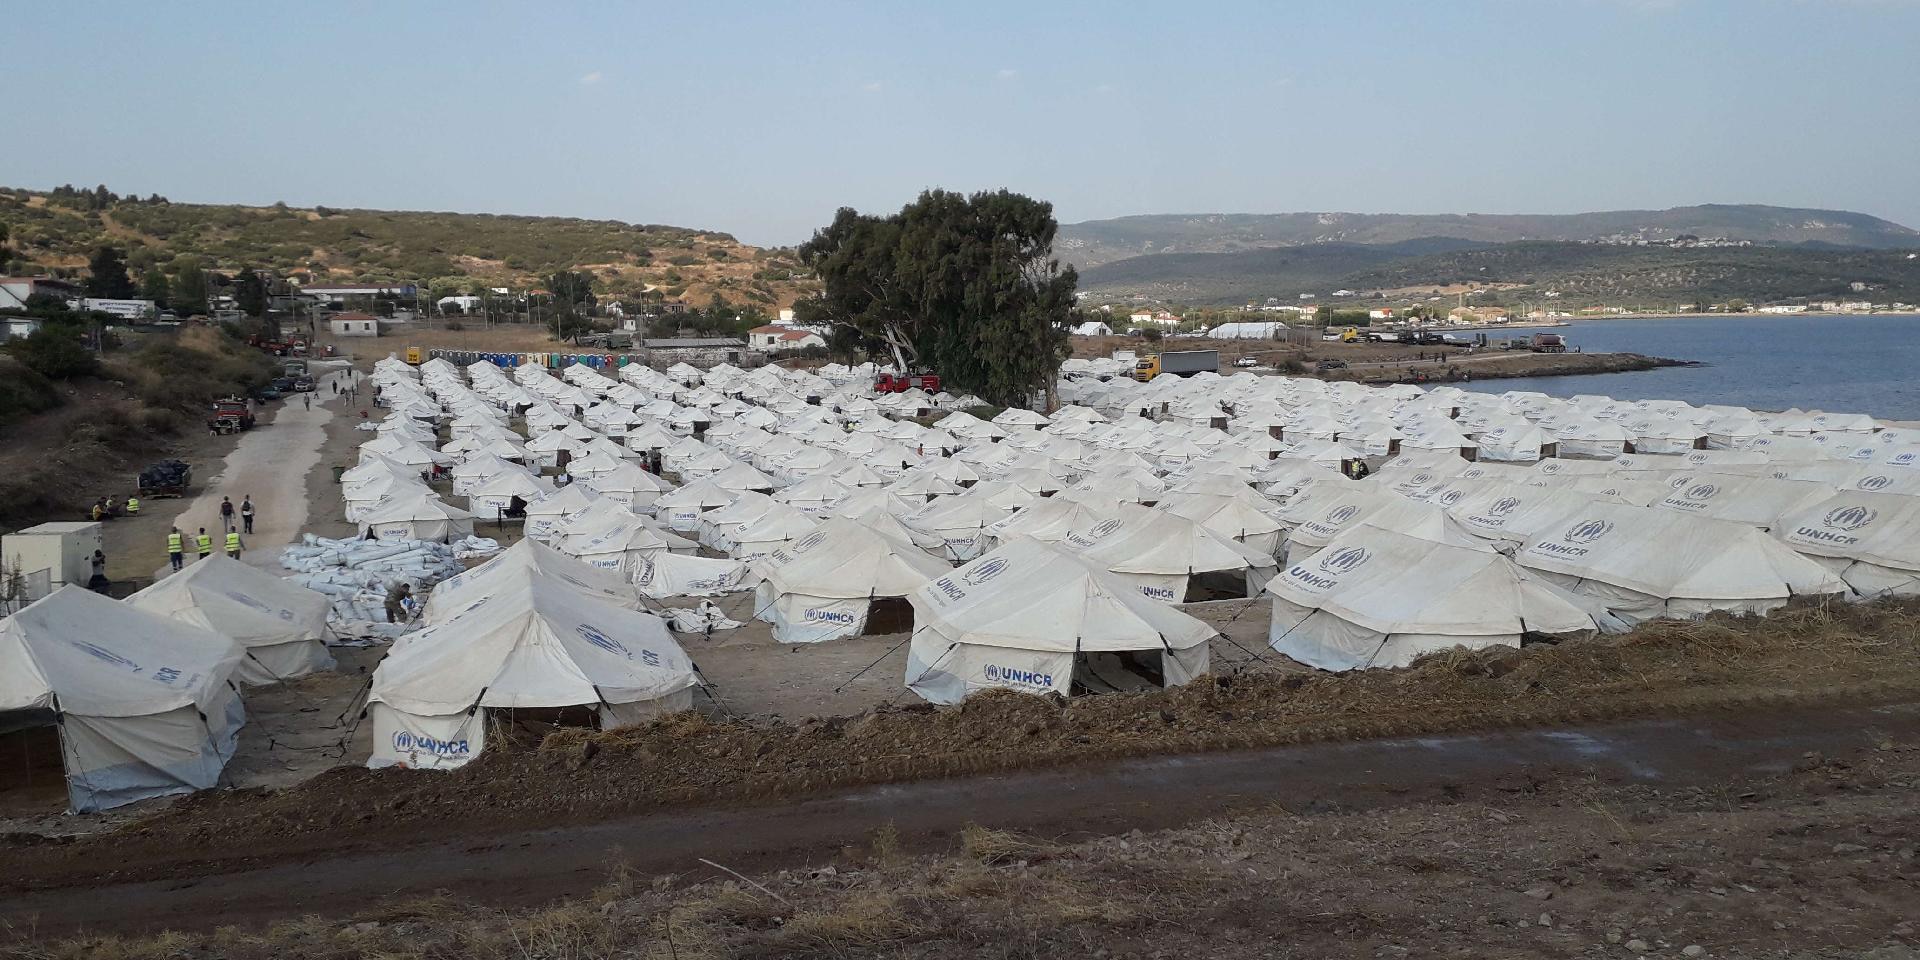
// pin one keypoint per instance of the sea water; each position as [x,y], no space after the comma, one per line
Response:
[1846,364]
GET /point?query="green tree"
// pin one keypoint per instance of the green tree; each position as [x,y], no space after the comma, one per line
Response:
[1736,305]
[56,352]
[189,286]
[107,275]
[572,295]
[154,286]
[250,293]
[965,285]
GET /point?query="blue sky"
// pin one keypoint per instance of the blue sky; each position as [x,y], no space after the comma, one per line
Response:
[762,118]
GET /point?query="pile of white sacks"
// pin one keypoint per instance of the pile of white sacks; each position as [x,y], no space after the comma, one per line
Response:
[357,574]
[1081,534]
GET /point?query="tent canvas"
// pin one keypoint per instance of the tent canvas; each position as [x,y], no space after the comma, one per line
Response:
[281,626]
[146,705]
[1378,598]
[1036,618]
[822,585]
[537,644]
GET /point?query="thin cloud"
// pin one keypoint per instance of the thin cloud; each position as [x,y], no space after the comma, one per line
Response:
[590,79]
[1007,73]
[873,87]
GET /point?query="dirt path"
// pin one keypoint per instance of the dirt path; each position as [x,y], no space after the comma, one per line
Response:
[537,866]
[271,466]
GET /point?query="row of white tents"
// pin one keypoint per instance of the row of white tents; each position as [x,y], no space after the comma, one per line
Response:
[144,696]
[1225,487]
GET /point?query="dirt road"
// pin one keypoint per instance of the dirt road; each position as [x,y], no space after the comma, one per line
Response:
[271,466]
[130,894]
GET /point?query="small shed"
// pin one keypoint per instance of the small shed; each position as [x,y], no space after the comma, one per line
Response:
[354,325]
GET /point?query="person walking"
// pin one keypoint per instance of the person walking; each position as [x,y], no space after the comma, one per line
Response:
[246,514]
[176,549]
[226,513]
[233,544]
[203,543]
[307,398]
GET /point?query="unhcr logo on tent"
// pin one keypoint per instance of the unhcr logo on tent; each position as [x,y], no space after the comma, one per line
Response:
[1902,459]
[1587,531]
[102,653]
[604,642]
[1851,518]
[844,618]
[406,742]
[808,542]
[1504,506]
[644,576]
[1874,483]
[1344,561]
[1451,497]
[1023,678]
[986,571]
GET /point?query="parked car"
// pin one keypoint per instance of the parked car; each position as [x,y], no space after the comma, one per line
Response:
[303,384]
[1246,362]
[1325,365]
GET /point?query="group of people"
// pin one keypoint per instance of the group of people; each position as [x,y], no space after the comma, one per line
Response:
[203,541]
[106,508]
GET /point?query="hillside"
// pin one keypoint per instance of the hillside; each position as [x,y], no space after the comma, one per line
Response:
[1581,272]
[1096,242]
[1238,277]
[452,251]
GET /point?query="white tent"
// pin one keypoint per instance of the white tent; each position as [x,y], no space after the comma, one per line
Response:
[493,497]
[1872,540]
[1039,619]
[628,484]
[663,574]
[1637,563]
[416,518]
[525,560]
[823,585]
[281,626]
[548,512]
[534,645]
[1376,598]
[681,508]
[145,705]
[1162,555]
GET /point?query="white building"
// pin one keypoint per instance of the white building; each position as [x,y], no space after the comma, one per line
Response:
[1092,328]
[775,336]
[354,325]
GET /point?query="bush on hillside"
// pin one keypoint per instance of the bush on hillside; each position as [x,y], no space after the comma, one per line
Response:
[23,391]
[55,351]
[174,374]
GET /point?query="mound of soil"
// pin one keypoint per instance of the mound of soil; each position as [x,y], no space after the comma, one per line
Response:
[1806,653]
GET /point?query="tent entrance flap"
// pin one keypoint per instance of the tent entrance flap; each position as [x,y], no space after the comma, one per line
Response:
[888,615]
[1219,585]
[32,769]
[1119,672]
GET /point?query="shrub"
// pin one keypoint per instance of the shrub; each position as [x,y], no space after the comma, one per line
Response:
[54,351]
[23,391]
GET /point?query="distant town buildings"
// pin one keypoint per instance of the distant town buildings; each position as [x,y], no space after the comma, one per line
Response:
[14,291]
[775,336]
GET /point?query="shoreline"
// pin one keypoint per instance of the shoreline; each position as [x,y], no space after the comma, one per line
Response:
[1494,367]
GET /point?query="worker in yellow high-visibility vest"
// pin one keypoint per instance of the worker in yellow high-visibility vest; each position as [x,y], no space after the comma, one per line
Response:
[233,544]
[133,506]
[203,543]
[176,548]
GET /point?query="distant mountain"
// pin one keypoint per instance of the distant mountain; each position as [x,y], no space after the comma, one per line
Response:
[1256,274]
[1095,242]
[1579,272]
[60,229]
